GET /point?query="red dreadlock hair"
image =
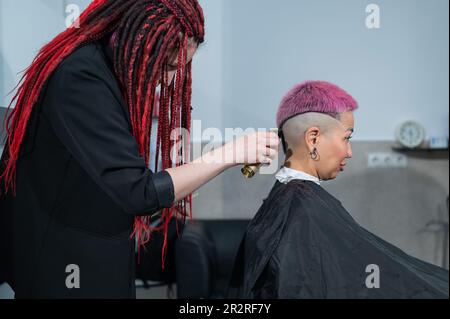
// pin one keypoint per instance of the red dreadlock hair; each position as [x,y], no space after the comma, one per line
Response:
[145,33]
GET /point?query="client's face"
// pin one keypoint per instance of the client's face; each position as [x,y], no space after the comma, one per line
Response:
[334,148]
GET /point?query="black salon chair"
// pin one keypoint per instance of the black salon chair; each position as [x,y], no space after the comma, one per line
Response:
[204,257]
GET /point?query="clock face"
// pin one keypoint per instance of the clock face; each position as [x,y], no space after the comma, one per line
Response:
[411,134]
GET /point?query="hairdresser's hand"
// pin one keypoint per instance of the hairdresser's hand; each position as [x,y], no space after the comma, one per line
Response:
[255,148]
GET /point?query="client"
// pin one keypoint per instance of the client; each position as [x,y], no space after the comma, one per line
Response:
[302,243]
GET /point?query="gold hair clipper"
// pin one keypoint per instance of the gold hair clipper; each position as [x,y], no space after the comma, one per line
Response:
[250,171]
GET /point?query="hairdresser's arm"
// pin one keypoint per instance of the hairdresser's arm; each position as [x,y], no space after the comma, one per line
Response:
[253,148]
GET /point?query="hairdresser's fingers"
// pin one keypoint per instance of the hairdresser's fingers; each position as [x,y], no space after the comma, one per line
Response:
[271,153]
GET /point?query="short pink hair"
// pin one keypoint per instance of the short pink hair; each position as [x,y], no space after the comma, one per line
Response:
[315,96]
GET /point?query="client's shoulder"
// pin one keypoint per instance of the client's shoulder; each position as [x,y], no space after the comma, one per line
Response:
[301,189]
[284,198]
[302,200]
[294,193]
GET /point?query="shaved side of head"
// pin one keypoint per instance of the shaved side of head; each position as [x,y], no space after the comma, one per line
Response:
[295,128]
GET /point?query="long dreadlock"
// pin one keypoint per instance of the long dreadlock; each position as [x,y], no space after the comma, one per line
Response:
[144,34]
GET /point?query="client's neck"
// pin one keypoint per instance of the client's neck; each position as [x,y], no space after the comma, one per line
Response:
[300,164]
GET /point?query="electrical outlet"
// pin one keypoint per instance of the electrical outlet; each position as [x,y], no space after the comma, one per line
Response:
[387,160]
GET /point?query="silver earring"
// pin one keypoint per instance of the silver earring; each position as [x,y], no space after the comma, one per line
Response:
[314,155]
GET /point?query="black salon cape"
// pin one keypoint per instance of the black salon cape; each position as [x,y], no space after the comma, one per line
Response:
[303,244]
[80,184]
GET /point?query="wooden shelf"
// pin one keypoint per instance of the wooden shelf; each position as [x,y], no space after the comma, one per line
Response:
[431,153]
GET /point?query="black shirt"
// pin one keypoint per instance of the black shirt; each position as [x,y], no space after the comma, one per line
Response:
[80,183]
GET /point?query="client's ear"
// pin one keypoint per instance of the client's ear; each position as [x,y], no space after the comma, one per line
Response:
[312,137]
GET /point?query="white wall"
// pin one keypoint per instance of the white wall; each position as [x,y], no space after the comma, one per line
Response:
[25,26]
[398,72]
[207,95]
